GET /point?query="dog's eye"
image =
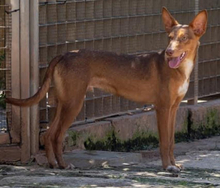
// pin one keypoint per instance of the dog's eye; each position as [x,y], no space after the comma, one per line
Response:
[184,38]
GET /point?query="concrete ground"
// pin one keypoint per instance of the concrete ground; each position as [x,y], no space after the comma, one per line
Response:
[200,158]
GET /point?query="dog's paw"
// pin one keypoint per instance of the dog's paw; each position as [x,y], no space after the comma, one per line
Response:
[70,167]
[179,166]
[52,165]
[173,169]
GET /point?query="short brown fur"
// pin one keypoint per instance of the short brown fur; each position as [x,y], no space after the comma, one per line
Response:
[145,78]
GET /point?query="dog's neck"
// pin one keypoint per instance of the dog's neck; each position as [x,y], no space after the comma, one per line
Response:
[188,64]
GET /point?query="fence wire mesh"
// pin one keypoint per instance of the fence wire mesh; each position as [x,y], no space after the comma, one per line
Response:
[5,66]
[122,26]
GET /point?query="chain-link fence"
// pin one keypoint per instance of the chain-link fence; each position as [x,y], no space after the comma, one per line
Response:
[122,26]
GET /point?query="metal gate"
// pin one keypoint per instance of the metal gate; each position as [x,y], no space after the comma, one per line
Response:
[18,78]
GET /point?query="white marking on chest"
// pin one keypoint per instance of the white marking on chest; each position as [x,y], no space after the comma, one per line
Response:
[188,66]
[183,88]
[188,69]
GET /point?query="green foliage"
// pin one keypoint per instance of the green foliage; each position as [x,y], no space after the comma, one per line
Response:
[73,137]
[141,141]
[2,81]
[211,127]
[2,57]
[181,137]
[2,100]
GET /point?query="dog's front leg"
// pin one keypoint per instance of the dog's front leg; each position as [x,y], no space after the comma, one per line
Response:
[172,136]
[163,123]
[166,137]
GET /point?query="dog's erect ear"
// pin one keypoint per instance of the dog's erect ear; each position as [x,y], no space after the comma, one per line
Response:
[168,20]
[199,23]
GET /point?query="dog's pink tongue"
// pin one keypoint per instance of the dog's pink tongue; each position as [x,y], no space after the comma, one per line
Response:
[174,62]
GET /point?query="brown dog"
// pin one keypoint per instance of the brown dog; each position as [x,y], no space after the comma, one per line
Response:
[161,79]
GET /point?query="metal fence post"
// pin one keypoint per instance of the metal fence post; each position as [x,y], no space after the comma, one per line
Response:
[34,70]
[195,72]
[25,78]
[196,69]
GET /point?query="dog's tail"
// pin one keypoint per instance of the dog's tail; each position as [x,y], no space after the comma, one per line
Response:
[42,91]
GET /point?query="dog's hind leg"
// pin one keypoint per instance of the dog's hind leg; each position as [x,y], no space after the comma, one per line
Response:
[49,138]
[70,110]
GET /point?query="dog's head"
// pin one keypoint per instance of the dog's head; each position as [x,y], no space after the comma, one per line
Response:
[183,39]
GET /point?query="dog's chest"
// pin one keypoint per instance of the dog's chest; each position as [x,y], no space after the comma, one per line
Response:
[184,86]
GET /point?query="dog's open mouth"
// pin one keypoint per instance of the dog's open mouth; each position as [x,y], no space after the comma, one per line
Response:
[174,62]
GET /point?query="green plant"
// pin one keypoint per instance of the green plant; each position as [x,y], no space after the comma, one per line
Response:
[2,81]
[2,57]
[2,100]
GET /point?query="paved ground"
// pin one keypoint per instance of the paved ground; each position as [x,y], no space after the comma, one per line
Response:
[201,160]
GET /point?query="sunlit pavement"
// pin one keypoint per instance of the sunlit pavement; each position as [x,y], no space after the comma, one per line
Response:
[201,160]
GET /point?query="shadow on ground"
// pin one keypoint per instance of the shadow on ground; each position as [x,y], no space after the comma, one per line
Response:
[113,169]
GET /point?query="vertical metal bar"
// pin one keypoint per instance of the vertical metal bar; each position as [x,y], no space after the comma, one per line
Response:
[15,70]
[25,77]
[102,107]
[75,25]
[195,72]
[8,42]
[34,70]
[196,80]
[84,43]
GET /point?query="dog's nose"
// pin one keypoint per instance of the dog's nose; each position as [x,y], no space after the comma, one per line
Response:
[169,52]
